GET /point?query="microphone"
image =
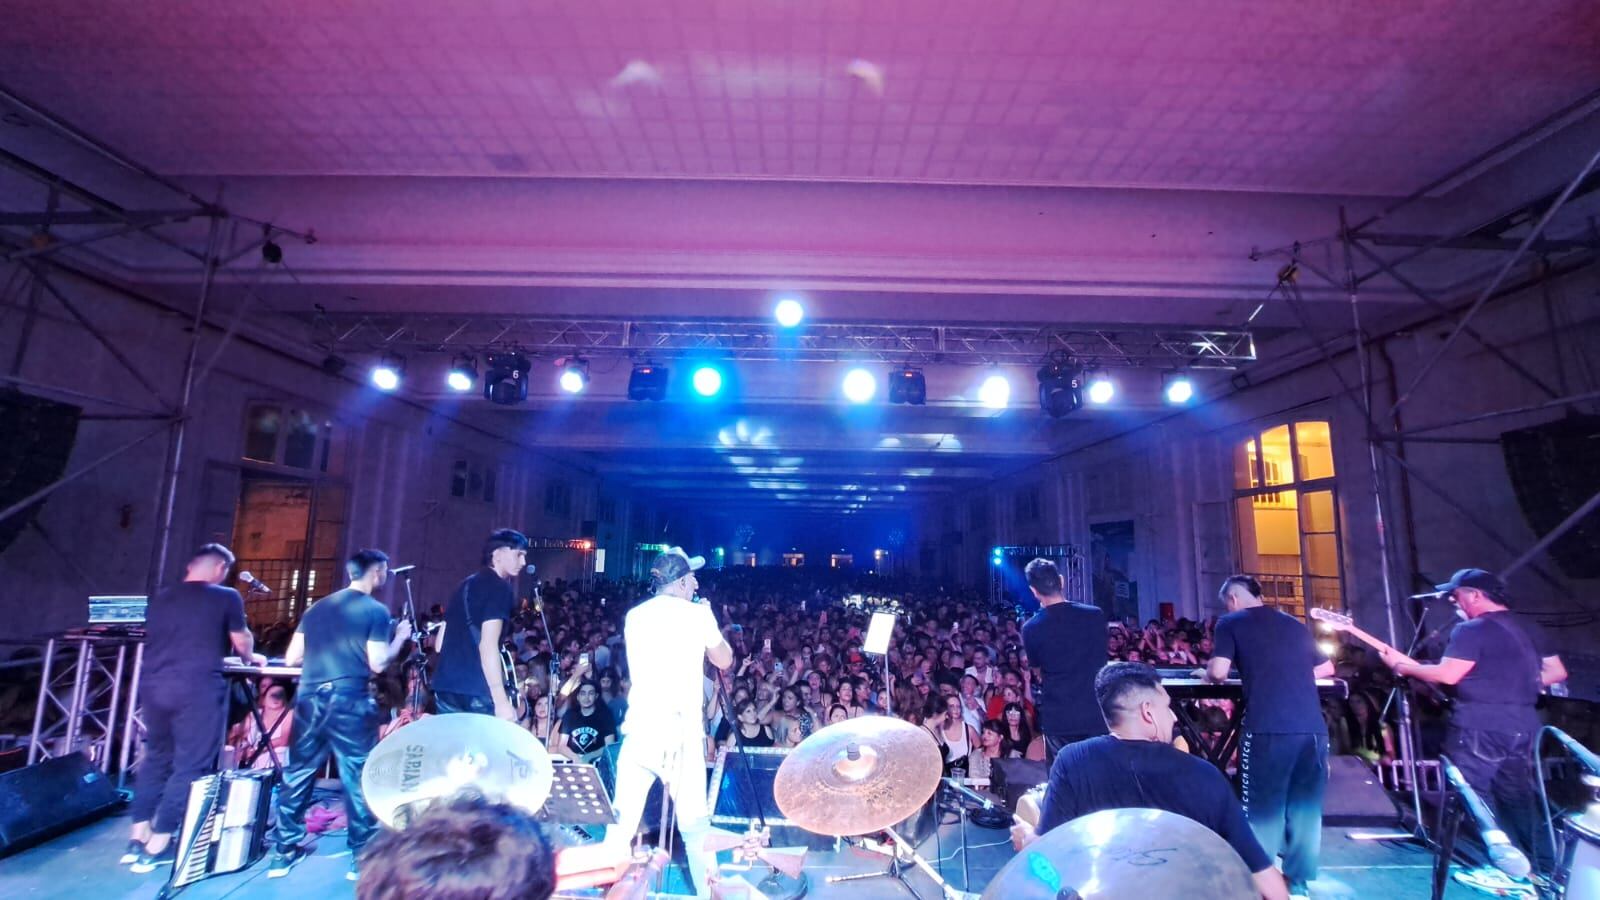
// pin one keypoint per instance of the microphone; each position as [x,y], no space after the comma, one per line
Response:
[1580,752]
[403,570]
[1430,595]
[256,586]
[1503,854]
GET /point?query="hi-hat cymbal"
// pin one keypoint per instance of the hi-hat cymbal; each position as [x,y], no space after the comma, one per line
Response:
[858,776]
[1125,853]
[436,756]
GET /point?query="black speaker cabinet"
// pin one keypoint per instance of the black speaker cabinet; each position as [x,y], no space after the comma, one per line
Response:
[39,435]
[1555,469]
[50,797]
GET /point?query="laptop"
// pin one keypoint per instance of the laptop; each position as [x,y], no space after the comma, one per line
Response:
[118,609]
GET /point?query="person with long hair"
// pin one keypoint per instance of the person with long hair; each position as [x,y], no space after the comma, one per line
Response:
[956,738]
[1017,736]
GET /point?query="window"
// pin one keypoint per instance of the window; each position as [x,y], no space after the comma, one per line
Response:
[1287,513]
[558,498]
[295,438]
[1028,505]
[470,480]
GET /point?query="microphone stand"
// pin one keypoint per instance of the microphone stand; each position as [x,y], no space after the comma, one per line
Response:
[554,666]
[416,659]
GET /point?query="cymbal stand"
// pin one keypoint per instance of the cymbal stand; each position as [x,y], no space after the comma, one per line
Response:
[902,857]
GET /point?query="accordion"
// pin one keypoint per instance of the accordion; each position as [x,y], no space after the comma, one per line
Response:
[225,825]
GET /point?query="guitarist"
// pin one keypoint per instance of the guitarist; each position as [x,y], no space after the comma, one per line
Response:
[1283,748]
[1498,665]
[469,675]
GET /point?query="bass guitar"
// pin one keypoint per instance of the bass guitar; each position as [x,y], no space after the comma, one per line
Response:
[1341,622]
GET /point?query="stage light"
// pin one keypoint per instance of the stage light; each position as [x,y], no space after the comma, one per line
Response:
[505,378]
[574,375]
[789,312]
[908,385]
[707,381]
[998,556]
[386,374]
[995,392]
[1177,388]
[1060,386]
[859,386]
[648,382]
[1100,388]
[463,374]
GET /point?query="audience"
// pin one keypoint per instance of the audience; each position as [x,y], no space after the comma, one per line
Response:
[464,849]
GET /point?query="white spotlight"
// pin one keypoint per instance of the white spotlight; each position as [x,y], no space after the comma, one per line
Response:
[859,385]
[789,312]
[386,374]
[1101,388]
[1178,389]
[574,376]
[995,393]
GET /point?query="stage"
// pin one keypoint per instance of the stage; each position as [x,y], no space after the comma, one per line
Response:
[83,864]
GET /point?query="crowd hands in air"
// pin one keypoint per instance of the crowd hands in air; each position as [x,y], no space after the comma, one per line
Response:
[955,665]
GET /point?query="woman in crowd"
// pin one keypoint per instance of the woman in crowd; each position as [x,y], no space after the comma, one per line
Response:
[751,732]
[955,737]
[1017,738]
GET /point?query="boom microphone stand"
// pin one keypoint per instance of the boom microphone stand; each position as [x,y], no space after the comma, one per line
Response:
[416,659]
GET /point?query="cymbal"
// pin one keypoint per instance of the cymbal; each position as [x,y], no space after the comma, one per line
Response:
[858,776]
[1125,853]
[436,756]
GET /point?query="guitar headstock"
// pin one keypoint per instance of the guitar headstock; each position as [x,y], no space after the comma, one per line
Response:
[1331,619]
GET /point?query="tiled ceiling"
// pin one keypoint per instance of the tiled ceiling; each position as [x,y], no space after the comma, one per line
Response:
[1349,97]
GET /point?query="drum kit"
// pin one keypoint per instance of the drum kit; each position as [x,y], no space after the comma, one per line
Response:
[849,780]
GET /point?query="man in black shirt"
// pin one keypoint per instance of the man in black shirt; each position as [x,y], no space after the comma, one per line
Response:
[343,640]
[1136,767]
[1283,746]
[1067,641]
[183,698]
[1498,665]
[587,728]
[468,677]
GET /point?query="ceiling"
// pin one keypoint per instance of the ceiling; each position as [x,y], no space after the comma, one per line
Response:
[1356,97]
[901,161]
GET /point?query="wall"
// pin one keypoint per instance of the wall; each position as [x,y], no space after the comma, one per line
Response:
[394,458]
[1174,478]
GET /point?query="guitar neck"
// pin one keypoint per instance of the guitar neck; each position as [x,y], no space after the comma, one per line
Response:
[1367,639]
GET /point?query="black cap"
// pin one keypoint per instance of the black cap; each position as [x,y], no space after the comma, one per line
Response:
[1478,579]
[672,564]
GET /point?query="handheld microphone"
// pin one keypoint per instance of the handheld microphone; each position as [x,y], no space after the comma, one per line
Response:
[1579,752]
[256,585]
[403,570]
[1430,595]
[1503,854]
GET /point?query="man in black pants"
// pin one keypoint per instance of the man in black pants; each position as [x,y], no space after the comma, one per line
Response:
[1136,766]
[1498,664]
[1283,748]
[1067,641]
[468,677]
[183,698]
[343,640]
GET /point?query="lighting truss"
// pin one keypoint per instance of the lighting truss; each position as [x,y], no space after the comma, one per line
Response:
[748,339]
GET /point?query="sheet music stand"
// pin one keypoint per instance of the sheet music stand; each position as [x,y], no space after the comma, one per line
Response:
[577,796]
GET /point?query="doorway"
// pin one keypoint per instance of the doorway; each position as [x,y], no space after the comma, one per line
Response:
[288,533]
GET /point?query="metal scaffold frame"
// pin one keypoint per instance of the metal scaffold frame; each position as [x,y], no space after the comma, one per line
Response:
[751,339]
[81,690]
[1386,446]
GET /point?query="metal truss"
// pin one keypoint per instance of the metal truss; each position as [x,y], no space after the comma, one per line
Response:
[745,339]
[80,695]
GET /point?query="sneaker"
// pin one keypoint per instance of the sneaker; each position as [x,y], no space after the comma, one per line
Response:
[1496,883]
[354,872]
[149,862]
[283,859]
[131,855]
[1299,891]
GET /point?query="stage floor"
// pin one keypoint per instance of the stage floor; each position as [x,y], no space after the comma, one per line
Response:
[82,864]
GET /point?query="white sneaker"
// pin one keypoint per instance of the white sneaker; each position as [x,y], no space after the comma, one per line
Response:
[1496,883]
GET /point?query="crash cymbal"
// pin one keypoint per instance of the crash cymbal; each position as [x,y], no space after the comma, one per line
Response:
[1125,853]
[437,756]
[858,776]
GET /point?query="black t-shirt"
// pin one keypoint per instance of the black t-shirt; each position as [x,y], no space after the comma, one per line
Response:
[337,629]
[1276,656]
[1109,773]
[1067,641]
[481,597]
[1500,691]
[586,734]
[763,739]
[186,632]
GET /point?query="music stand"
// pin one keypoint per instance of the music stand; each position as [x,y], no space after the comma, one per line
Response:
[577,796]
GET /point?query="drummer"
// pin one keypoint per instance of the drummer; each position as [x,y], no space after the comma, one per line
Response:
[1136,766]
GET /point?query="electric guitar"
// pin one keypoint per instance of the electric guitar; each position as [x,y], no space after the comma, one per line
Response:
[1341,622]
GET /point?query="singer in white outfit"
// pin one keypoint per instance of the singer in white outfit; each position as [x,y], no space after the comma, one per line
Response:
[669,637]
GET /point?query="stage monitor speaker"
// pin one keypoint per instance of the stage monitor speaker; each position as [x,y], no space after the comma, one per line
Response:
[39,435]
[1009,779]
[50,797]
[1555,469]
[1355,796]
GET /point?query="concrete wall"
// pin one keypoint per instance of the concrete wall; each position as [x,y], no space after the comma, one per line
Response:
[393,458]
[1174,478]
